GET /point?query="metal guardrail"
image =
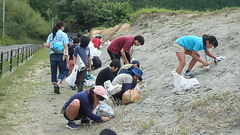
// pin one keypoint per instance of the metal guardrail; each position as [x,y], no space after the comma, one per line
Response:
[11,59]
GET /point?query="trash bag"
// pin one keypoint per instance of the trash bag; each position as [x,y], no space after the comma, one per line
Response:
[104,110]
[130,96]
[112,89]
[181,83]
[97,63]
[80,63]
[72,77]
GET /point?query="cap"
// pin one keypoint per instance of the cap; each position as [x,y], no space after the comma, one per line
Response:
[136,62]
[99,90]
[138,72]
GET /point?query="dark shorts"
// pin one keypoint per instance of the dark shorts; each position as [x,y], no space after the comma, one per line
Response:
[64,112]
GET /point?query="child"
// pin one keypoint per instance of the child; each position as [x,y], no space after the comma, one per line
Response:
[76,42]
[84,52]
[81,105]
[190,45]
[121,47]
[97,41]
[107,73]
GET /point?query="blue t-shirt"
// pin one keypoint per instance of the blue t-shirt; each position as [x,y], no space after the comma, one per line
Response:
[192,43]
[83,53]
[60,38]
[85,106]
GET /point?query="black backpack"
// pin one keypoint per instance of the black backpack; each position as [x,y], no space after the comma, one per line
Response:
[97,63]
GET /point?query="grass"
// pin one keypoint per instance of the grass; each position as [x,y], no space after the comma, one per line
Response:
[16,87]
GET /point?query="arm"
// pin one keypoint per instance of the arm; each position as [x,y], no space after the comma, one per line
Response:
[209,54]
[89,64]
[195,56]
[124,56]
[47,44]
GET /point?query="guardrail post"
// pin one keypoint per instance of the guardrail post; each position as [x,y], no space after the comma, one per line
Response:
[11,60]
[22,54]
[1,64]
[18,56]
[26,49]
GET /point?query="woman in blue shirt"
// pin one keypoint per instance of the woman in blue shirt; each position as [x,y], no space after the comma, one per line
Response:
[190,45]
[58,43]
[82,104]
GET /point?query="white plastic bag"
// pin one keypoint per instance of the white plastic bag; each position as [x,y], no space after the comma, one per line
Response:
[104,110]
[112,89]
[80,63]
[72,77]
[181,83]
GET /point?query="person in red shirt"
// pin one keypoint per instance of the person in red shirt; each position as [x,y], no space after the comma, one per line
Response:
[97,41]
[121,46]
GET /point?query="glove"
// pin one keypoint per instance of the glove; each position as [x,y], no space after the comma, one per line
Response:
[220,58]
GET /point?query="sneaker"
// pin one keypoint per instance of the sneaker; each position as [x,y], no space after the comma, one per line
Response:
[190,73]
[72,125]
[56,89]
[86,121]
[73,87]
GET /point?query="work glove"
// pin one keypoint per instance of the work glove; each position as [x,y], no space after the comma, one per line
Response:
[218,59]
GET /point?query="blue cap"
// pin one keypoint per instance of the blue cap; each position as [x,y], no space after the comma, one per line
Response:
[138,72]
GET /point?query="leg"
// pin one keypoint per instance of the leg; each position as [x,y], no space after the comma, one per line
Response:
[71,113]
[62,70]
[110,54]
[72,109]
[81,79]
[182,62]
[53,64]
[128,57]
[193,61]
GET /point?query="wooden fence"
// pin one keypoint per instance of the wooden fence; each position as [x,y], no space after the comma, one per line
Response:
[11,59]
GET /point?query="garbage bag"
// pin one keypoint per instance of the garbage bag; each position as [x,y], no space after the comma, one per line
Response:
[180,83]
[72,77]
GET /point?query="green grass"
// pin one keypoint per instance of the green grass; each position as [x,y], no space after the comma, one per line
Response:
[15,87]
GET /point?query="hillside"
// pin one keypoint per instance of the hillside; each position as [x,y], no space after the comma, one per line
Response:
[209,108]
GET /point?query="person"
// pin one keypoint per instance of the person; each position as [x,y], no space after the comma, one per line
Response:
[76,42]
[127,81]
[79,35]
[121,47]
[97,41]
[108,72]
[58,43]
[82,104]
[86,33]
[126,68]
[84,52]
[190,45]
[107,131]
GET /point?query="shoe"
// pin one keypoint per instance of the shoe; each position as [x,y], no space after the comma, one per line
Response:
[73,87]
[86,121]
[190,73]
[72,125]
[56,89]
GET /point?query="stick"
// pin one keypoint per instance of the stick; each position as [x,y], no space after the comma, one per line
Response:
[201,66]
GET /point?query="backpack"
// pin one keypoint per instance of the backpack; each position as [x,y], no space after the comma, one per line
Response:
[97,63]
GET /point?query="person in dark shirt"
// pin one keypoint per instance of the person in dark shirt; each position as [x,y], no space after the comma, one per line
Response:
[107,73]
[76,42]
[81,105]
[84,52]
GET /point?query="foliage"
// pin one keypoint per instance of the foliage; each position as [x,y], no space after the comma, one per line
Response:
[22,23]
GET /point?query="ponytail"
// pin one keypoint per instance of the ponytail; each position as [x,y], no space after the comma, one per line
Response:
[90,95]
[210,39]
[58,26]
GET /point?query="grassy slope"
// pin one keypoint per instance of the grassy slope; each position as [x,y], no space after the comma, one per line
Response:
[16,88]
